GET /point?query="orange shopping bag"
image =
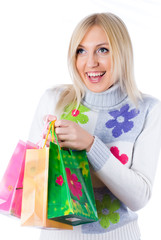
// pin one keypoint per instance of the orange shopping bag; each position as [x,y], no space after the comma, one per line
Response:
[35,188]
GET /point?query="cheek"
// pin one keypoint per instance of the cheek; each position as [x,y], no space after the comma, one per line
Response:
[79,66]
[107,65]
[106,62]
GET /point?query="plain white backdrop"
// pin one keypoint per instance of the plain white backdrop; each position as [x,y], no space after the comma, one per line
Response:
[34,38]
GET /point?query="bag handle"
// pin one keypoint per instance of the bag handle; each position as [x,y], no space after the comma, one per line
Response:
[51,129]
[53,134]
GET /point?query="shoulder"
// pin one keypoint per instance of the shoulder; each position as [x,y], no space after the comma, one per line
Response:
[49,99]
[51,96]
[150,110]
[147,98]
[149,103]
[53,93]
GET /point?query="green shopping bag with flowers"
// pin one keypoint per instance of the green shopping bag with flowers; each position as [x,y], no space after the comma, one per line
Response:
[70,192]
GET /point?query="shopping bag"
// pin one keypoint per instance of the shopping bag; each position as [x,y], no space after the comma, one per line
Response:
[70,192]
[12,181]
[35,186]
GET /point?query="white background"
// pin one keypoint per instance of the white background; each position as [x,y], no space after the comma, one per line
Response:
[34,38]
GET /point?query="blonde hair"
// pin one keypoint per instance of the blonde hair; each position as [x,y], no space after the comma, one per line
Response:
[121,54]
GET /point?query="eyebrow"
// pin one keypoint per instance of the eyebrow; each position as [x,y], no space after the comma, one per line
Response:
[100,44]
[104,43]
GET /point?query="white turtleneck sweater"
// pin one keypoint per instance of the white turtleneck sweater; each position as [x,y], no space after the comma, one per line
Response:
[123,159]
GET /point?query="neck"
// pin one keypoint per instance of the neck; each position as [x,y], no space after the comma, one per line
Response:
[112,96]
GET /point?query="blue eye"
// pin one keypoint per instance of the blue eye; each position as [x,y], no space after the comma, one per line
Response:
[80,51]
[103,50]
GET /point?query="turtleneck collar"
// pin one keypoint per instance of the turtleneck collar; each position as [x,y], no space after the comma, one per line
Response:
[113,96]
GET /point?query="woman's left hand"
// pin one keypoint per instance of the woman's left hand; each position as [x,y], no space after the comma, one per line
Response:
[71,135]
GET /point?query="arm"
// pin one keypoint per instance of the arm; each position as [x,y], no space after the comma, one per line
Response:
[132,186]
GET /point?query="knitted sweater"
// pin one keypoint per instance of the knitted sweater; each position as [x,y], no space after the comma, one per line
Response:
[123,159]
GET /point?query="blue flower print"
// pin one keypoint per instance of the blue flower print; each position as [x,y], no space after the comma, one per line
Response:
[121,122]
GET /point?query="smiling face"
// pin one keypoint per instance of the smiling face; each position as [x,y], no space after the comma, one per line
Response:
[93,60]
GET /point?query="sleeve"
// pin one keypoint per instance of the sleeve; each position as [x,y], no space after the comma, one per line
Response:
[132,186]
[45,107]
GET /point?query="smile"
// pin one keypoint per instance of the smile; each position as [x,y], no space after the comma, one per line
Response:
[95,74]
[95,77]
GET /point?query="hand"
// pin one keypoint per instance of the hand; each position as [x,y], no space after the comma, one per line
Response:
[71,135]
[49,118]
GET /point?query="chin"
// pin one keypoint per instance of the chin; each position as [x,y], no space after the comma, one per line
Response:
[98,89]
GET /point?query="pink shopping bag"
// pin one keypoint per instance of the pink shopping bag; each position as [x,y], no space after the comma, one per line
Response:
[11,185]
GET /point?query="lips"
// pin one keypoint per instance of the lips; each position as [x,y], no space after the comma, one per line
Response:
[95,77]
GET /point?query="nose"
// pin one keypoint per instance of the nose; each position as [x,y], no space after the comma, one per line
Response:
[92,60]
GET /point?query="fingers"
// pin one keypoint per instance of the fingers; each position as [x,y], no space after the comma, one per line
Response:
[49,139]
[68,133]
[64,123]
[49,118]
[61,130]
[65,144]
[66,130]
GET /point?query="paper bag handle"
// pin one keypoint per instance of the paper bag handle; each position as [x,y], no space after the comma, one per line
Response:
[53,134]
[51,128]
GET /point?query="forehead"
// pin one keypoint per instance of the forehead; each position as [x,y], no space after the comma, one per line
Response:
[95,35]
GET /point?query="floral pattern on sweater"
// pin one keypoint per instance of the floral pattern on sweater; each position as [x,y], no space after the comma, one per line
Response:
[121,120]
[107,211]
[76,114]
[112,213]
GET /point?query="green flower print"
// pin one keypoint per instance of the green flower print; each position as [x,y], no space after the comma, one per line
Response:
[76,115]
[84,166]
[106,211]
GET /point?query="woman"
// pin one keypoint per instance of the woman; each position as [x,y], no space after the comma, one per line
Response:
[104,113]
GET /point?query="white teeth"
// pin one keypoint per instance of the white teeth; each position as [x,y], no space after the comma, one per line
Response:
[95,74]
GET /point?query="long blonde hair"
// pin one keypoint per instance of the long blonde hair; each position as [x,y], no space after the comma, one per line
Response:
[121,53]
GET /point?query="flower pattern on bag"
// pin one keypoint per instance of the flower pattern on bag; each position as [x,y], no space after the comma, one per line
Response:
[59,180]
[74,186]
[121,121]
[76,115]
[84,166]
[10,188]
[107,211]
